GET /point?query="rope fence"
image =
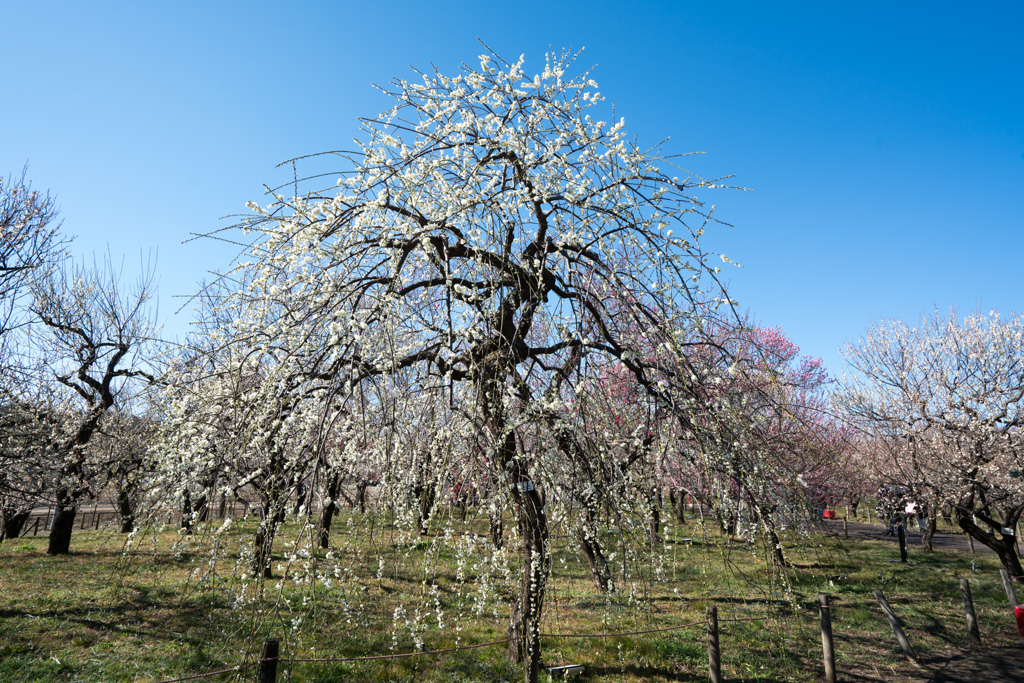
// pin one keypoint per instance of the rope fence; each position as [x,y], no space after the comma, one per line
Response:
[267,663]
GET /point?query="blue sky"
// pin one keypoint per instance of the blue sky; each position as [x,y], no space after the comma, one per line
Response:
[883,143]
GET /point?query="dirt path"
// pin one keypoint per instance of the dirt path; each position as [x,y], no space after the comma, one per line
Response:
[873,532]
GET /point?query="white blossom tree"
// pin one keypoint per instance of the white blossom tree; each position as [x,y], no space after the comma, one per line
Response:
[490,247]
[29,242]
[946,397]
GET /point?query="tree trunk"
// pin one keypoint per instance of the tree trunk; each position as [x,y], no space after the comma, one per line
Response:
[524,627]
[327,515]
[361,496]
[678,499]
[262,544]
[591,547]
[1005,547]
[63,524]
[124,507]
[14,521]
[186,514]
[497,528]
[427,495]
[202,507]
[777,552]
[929,531]
[654,517]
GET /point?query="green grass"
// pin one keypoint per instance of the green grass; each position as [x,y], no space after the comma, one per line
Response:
[94,616]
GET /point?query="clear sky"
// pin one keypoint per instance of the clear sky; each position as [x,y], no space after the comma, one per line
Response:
[883,143]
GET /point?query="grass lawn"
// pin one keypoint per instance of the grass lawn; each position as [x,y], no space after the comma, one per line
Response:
[171,609]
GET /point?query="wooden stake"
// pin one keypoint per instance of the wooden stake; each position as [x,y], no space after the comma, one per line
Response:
[827,648]
[846,530]
[714,651]
[268,661]
[972,621]
[1011,594]
[897,630]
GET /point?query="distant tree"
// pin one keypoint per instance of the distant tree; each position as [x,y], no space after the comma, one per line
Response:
[29,242]
[945,400]
[91,342]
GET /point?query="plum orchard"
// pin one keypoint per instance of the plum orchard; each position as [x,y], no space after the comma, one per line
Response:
[492,254]
[943,401]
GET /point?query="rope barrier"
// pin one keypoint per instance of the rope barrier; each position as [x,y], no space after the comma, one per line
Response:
[398,656]
[209,673]
[613,635]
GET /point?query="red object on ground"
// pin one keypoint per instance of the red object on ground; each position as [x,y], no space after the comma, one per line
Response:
[1018,612]
[829,514]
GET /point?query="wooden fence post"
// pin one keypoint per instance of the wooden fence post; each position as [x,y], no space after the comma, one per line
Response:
[1011,594]
[96,514]
[901,534]
[827,649]
[714,651]
[35,529]
[268,661]
[972,621]
[897,630]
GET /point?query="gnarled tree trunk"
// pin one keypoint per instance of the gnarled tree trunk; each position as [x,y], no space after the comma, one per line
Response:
[524,626]
[1003,546]
[678,499]
[63,524]
[124,508]
[590,544]
[327,515]
[14,522]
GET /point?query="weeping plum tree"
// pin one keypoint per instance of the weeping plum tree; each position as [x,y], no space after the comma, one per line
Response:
[492,244]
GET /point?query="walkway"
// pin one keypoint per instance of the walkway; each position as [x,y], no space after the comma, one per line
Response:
[875,532]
